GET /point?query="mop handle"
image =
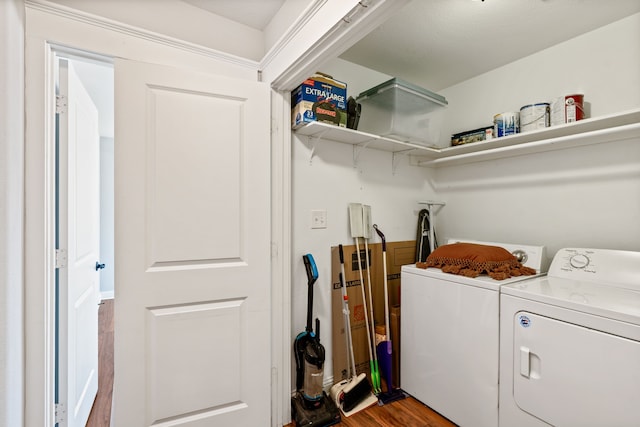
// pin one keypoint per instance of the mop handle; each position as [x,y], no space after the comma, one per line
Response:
[347,320]
[386,296]
[364,297]
[386,292]
[373,332]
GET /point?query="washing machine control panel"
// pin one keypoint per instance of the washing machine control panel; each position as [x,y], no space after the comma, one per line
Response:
[573,260]
[579,261]
[604,265]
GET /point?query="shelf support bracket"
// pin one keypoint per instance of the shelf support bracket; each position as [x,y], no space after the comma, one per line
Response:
[357,149]
[313,150]
[395,159]
[394,162]
[313,140]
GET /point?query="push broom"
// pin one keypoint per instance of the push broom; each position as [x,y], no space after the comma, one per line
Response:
[354,394]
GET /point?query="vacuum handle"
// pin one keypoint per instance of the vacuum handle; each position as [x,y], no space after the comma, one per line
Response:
[312,270]
[341,254]
[384,242]
[312,276]
[318,329]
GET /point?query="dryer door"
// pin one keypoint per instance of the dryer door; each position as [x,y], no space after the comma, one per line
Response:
[569,375]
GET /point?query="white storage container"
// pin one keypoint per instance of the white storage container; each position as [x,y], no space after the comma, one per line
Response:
[403,111]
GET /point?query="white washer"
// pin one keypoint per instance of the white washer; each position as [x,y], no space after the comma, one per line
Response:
[449,338]
[570,343]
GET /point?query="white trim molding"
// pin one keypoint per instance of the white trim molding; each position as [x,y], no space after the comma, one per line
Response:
[12,213]
[39,235]
[129,30]
[281,349]
[295,31]
[339,25]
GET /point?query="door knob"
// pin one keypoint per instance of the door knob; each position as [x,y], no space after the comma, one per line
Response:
[99,266]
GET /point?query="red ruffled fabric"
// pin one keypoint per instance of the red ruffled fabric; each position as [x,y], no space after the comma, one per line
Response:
[472,260]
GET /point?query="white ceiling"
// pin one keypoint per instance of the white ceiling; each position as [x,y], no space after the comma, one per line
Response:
[438,43]
[253,13]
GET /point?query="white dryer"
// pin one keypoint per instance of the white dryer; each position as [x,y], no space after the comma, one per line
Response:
[449,338]
[570,343]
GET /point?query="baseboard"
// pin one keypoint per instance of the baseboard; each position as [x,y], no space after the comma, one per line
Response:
[107,295]
[327,383]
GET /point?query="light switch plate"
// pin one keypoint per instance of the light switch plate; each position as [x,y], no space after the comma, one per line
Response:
[319,219]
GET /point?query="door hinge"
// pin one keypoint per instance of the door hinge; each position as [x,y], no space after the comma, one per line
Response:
[61,104]
[60,413]
[61,258]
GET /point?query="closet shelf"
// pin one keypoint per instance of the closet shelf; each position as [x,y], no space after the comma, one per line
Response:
[362,139]
[596,130]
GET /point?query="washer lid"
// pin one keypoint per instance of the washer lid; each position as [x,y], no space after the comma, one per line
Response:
[596,298]
[532,256]
[482,281]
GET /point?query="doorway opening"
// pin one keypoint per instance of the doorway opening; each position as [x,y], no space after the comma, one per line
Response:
[84,235]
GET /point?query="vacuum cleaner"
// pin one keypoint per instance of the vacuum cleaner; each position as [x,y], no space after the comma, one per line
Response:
[310,405]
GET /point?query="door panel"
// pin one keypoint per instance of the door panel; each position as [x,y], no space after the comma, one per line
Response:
[567,374]
[186,229]
[79,236]
[192,317]
[203,384]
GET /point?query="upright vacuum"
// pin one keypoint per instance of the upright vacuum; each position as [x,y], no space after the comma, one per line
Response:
[310,406]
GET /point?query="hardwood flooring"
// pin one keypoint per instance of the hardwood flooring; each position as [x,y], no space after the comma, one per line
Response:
[101,412]
[402,413]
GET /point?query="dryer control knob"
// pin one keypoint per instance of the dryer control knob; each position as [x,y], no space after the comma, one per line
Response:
[579,261]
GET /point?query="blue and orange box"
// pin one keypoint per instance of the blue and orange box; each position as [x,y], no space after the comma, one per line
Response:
[319,98]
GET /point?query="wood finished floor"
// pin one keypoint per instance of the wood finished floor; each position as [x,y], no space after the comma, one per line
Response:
[403,413]
[101,412]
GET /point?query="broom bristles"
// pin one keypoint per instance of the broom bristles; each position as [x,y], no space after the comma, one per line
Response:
[355,392]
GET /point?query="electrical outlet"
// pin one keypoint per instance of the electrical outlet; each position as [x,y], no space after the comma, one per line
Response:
[319,219]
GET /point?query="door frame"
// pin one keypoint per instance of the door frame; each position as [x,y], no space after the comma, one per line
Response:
[353,21]
[50,27]
[40,242]
[46,35]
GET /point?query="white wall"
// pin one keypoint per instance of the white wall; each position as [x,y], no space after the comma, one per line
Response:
[182,21]
[603,64]
[586,197]
[330,181]
[11,211]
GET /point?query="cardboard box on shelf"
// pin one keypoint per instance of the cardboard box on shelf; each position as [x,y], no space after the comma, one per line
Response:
[398,254]
[319,98]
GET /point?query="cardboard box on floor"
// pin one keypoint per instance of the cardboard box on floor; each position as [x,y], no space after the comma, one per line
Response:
[398,254]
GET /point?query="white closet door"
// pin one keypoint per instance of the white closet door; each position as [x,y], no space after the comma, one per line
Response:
[192,308]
